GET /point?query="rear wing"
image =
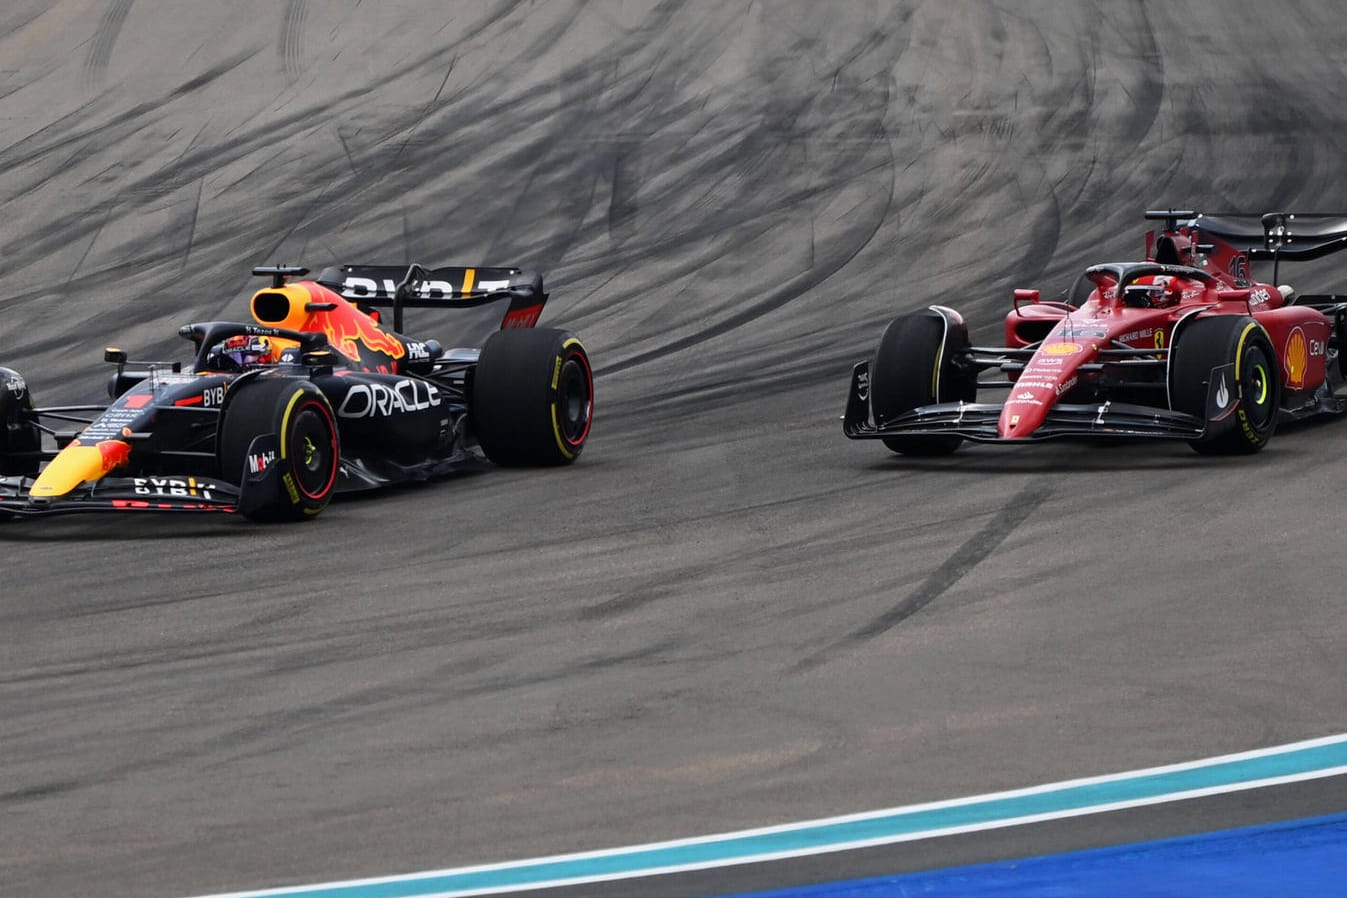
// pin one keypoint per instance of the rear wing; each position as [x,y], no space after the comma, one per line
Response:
[1293,236]
[1267,237]
[398,287]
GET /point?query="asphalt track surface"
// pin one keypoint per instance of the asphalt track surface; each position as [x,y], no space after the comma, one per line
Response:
[725,615]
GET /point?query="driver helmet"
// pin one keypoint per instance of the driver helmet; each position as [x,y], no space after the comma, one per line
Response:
[1156,291]
[237,353]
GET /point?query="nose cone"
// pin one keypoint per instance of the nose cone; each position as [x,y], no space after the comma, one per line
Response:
[1049,375]
[1023,412]
[78,463]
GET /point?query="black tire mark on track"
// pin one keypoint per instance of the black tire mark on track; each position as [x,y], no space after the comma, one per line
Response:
[773,302]
[968,556]
[289,45]
[191,227]
[109,28]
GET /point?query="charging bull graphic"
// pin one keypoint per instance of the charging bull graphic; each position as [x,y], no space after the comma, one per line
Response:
[309,306]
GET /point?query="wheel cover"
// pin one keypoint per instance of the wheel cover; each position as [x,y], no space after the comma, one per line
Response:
[311,448]
[1256,387]
[574,402]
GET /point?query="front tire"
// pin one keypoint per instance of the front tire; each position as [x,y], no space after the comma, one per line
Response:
[914,365]
[1224,346]
[20,439]
[532,397]
[306,461]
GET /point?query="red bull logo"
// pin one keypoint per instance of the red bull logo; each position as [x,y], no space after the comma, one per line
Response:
[115,454]
[348,330]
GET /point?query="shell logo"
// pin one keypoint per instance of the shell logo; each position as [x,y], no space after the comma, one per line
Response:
[1297,357]
[1062,349]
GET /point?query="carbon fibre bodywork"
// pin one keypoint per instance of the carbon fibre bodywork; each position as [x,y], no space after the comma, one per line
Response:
[399,409]
[1124,362]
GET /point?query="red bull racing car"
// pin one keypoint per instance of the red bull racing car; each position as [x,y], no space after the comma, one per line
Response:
[1185,345]
[315,396]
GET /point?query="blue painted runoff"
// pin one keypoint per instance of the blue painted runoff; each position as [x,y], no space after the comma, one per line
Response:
[1316,758]
[1299,857]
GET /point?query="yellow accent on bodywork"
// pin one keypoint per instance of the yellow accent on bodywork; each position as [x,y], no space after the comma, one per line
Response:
[1239,350]
[73,465]
[556,378]
[285,419]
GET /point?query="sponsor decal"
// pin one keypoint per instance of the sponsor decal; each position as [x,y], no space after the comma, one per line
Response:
[379,400]
[112,424]
[1061,349]
[417,351]
[1025,395]
[138,400]
[1297,358]
[290,487]
[358,287]
[1036,384]
[1014,420]
[526,317]
[1154,336]
[15,384]
[863,386]
[141,504]
[1066,385]
[1043,362]
[1259,296]
[261,461]
[1222,394]
[172,486]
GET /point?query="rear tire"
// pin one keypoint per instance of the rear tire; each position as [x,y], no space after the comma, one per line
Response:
[310,451]
[1218,343]
[914,366]
[532,397]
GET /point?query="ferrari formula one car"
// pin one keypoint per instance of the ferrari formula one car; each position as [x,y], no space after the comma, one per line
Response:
[314,397]
[1184,345]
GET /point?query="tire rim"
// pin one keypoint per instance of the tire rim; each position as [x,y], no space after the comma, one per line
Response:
[312,451]
[1256,387]
[575,400]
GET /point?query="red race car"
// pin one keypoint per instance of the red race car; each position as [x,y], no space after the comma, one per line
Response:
[1184,345]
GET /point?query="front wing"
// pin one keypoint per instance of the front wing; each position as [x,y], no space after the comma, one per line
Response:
[977,421]
[157,494]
